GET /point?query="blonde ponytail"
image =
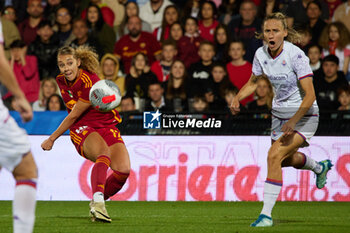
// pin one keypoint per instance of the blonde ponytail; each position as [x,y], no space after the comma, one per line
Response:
[293,36]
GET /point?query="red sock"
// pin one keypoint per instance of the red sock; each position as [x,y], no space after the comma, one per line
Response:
[99,173]
[114,183]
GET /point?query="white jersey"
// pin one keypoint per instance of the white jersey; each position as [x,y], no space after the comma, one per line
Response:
[284,73]
[4,113]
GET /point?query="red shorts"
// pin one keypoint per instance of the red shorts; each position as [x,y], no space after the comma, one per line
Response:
[111,135]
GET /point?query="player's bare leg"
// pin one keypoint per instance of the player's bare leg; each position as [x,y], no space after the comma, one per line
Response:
[96,150]
[23,205]
[278,152]
[120,164]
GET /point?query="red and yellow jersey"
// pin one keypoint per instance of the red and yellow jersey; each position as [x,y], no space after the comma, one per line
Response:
[79,90]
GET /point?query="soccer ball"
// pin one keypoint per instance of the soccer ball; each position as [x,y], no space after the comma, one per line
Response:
[105,95]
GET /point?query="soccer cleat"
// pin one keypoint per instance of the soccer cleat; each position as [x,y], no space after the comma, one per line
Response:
[321,179]
[98,212]
[263,221]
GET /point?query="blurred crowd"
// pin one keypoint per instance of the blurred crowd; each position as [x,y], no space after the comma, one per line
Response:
[175,56]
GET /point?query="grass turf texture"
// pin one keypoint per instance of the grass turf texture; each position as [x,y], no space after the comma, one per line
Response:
[57,216]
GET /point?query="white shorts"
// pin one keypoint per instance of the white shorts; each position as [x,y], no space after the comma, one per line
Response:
[14,144]
[306,128]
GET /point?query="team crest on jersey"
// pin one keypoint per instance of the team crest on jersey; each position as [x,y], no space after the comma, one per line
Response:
[125,48]
[79,93]
[70,94]
[142,45]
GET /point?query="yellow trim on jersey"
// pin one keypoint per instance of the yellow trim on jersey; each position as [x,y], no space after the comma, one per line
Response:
[84,100]
[115,116]
[86,79]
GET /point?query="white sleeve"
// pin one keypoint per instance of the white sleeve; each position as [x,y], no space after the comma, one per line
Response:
[301,64]
[257,69]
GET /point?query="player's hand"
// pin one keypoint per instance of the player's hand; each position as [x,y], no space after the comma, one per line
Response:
[288,128]
[235,106]
[47,144]
[22,106]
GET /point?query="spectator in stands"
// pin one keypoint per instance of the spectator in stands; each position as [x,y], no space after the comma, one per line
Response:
[10,33]
[139,78]
[239,70]
[297,16]
[315,54]
[55,103]
[48,87]
[45,49]
[245,27]
[83,38]
[64,26]
[221,43]
[215,90]
[305,39]
[176,32]
[315,22]
[176,87]
[105,12]
[191,9]
[208,22]
[136,41]
[342,14]
[228,10]
[264,96]
[162,68]
[52,7]
[110,71]
[327,81]
[188,44]
[343,94]
[9,13]
[156,99]
[230,93]
[171,15]
[29,26]
[152,12]
[268,7]
[200,72]
[199,104]
[332,6]
[26,71]
[127,104]
[335,39]
[97,27]
[131,9]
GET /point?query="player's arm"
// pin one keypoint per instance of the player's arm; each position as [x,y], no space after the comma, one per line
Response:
[245,91]
[309,99]
[8,79]
[79,108]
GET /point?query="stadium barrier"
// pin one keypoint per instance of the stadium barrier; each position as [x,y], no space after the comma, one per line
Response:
[190,168]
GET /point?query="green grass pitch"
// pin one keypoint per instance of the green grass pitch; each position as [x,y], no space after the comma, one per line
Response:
[71,217]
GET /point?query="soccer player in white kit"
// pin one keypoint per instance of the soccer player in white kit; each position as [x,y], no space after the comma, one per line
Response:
[294,108]
[15,153]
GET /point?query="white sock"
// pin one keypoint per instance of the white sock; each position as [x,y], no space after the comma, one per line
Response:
[271,192]
[98,197]
[313,165]
[23,206]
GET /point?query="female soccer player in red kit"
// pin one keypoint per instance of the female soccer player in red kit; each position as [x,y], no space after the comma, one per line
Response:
[93,133]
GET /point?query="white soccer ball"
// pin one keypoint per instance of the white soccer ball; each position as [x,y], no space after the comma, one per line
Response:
[105,95]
